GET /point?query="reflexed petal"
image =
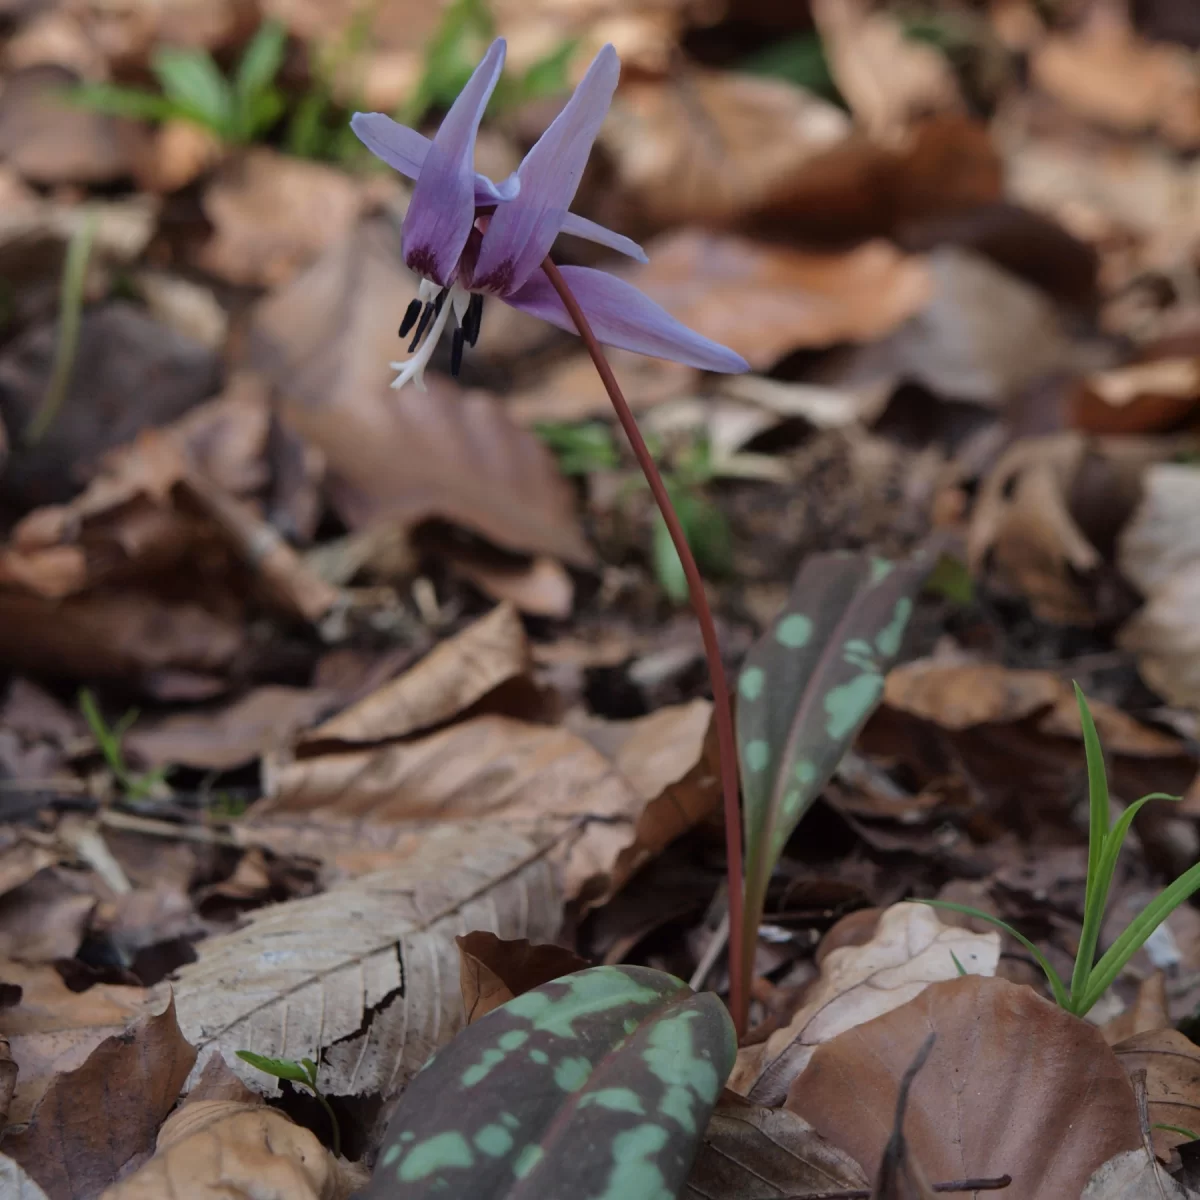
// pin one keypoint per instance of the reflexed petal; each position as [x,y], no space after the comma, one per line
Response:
[404,150]
[442,209]
[521,233]
[581,227]
[622,316]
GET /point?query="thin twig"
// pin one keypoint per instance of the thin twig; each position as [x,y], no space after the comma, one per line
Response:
[993,1184]
[722,710]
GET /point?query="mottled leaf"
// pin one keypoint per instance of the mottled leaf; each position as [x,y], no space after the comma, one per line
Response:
[596,1086]
[806,688]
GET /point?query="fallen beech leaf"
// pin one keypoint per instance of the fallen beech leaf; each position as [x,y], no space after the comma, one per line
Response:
[1147,1013]
[45,918]
[1158,86]
[748,1149]
[92,1120]
[273,214]
[15,1184]
[887,77]
[1172,1065]
[540,587]
[53,1030]
[911,950]
[1013,1085]
[608,1074]
[1159,552]
[545,780]
[179,152]
[768,301]
[492,971]
[266,719]
[360,979]
[1134,1175]
[712,146]
[224,1148]
[325,341]
[450,678]
[1144,397]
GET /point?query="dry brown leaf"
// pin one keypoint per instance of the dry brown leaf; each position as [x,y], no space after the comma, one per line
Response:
[750,1152]
[450,678]
[263,720]
[1134,1175]
[766,302]
[541,587]
[128,32]
[325,341]
[887,78]
[713,146]
[273,215]
[362,979]
[45,918]
[910,950]
[1159,551]
[93,1119]
[362,808]
[1172,1065]
[225,1148]
[492,971]
[1013,1085]
[1106,73]
[1147,1013]
[1143,397]
[179,153]
[15,1184]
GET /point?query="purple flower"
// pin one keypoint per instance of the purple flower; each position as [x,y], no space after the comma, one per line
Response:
[467,237]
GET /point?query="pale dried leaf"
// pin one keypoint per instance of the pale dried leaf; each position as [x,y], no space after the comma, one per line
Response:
[1133,1175]
[959,696]
[1172,1065]
[910,950]
[223,1148]
[754,1153]
[450,678]
[1165,637]
[325,341]
[1013,1085]
[15,1184]
[541,587]
[92,1120]
[1147,1013]
[362,979]
[1162,537]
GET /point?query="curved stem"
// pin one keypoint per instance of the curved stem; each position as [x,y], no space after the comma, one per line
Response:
[722,711]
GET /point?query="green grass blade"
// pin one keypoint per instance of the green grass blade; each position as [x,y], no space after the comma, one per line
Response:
[193,82]
[1052,977]
[1135,934]
[1179,1129]
[1096,893]
[121,101]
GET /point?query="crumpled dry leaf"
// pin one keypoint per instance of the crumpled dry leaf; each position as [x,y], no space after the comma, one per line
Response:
[273,214]
[910,950]
[226,1148]
[767,301]
[1013,1085]
[45,918]
[1036,502]
[91,1120]
[539,587]
[362,979]
[1172,1065]
[325,341]
[1159,552]
[357,807]
[15,1182]
[455,674]
[1158,89]
[128,32]
[1142,397]
[886,77]
[748,1149]
[1134,1175]
[492,971]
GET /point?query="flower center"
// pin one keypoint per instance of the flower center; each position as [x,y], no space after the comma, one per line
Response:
[430,312]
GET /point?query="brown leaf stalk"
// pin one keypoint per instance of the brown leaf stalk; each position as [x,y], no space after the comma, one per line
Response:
[722,710]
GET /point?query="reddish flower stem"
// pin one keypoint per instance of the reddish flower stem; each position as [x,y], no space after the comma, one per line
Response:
[722,711]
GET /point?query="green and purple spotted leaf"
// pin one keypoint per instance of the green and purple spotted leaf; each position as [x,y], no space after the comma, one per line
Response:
[807,686]
[595,1086]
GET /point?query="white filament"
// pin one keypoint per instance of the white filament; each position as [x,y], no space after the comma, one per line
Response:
[412,370]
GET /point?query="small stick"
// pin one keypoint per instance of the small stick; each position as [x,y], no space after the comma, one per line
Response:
[722,711]
[995,1184]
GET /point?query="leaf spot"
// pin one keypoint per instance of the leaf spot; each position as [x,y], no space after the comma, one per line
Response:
[634,1172]
[758,754]
[806,772]
[540,1057]
[751,683]
[493,1140]
[514,1039]
[390,1155]
[888,641]
[881,568]
[849,704]
[616,1099]
[529,1158]
[794,631]
[572,1073]
[435,1153]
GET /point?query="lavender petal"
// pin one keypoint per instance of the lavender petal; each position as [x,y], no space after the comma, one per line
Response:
[442,209]
[622,316]
[581,227]
[521,232]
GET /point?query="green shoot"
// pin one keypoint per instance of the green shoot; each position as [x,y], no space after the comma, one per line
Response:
[958,965]
[1179,1129]
[1091,979]
[580,449]
[134,786]
[951,579]
[70,311]
[304,1073]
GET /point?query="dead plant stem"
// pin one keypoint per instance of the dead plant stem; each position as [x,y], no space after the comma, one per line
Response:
[722,709]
